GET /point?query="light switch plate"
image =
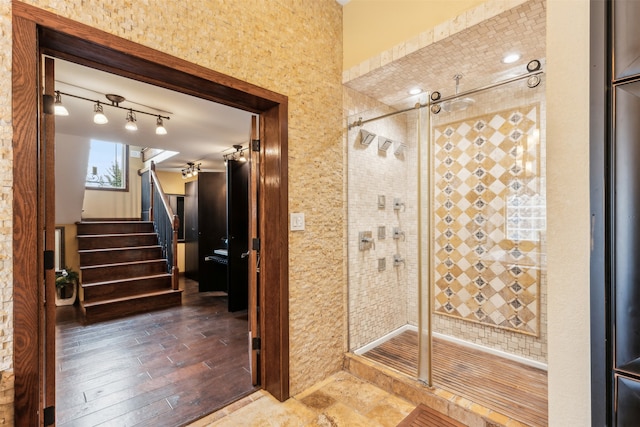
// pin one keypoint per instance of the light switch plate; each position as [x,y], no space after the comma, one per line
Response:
[297,221]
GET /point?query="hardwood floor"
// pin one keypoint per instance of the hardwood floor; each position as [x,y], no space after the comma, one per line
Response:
[516,390]
[164,368]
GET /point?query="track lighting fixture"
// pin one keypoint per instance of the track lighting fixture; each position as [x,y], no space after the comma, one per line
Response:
[131,121]
[191,170]
[100,118]
[59,109]
[237,155]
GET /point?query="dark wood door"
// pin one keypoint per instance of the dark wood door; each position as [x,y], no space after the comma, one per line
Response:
[212,226]
[238,233]
[191,252]
[145,195]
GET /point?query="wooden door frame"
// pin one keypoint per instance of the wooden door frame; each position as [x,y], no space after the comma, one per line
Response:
[35,31]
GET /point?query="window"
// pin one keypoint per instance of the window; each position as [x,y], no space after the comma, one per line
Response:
[108,166]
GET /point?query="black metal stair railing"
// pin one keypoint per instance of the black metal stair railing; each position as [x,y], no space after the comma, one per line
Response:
[166,225]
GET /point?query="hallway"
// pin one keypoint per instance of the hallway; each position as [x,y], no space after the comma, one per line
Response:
[163,368]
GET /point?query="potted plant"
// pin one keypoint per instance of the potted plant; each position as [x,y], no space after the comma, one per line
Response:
[66,286]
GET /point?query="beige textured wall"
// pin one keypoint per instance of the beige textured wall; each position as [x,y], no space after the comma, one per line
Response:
[293,47]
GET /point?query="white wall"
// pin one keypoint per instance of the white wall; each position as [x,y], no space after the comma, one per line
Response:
[115,204]
[72,156]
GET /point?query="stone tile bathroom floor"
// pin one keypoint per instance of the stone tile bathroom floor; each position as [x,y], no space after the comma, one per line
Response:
[340,400]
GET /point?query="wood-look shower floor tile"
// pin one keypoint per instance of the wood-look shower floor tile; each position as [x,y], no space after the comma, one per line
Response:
[514,389]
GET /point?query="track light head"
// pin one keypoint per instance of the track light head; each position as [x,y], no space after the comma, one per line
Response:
[99,118]
[160,129]
[191,170]
[131,121]
[58,108]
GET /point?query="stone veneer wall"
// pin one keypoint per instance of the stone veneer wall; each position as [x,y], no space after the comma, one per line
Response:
[287,46]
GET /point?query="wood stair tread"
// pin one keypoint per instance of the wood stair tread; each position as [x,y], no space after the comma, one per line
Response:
[114,222]
[120,264]
[124,248]
[132,298]
[129,279]
[82,236]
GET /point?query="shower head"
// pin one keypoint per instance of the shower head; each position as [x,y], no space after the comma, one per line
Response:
[366,137]
[399,149]
[457,104]
[384,143]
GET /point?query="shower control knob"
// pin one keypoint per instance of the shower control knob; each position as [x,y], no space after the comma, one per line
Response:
[435,96]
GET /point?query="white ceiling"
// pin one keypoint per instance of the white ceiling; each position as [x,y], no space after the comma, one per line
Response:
[200,130]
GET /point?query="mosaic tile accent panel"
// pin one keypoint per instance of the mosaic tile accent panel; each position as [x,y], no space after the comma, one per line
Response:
[489,217]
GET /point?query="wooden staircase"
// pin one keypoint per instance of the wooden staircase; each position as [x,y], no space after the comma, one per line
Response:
[122,270]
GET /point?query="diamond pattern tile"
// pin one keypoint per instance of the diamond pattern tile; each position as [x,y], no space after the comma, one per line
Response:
[488,219]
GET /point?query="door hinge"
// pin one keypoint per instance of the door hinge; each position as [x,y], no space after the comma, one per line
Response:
[47,104]
[255,145]
[49,415]
[49,260]
[255,244]
[255,343]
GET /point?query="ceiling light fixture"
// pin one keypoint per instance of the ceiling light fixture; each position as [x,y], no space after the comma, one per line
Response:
[415,91]
[100,118]
[510,58]
[191,170]
[131,121]
[237,155]
[58,108]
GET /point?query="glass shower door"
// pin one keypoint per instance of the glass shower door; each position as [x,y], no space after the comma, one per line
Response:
[488,219]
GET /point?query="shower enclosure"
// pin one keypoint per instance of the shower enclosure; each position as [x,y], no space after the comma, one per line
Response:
[446,225]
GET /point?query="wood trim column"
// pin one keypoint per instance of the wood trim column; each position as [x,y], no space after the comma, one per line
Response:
[27,262]
[274,279]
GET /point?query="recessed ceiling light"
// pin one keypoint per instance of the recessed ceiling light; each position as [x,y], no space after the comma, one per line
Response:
[415,91]
[511,58]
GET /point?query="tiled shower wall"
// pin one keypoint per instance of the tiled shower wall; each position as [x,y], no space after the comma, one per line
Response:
[532,344]
[379,297]
[376,304]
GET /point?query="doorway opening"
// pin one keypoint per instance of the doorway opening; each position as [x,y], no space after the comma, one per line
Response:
[175,363]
